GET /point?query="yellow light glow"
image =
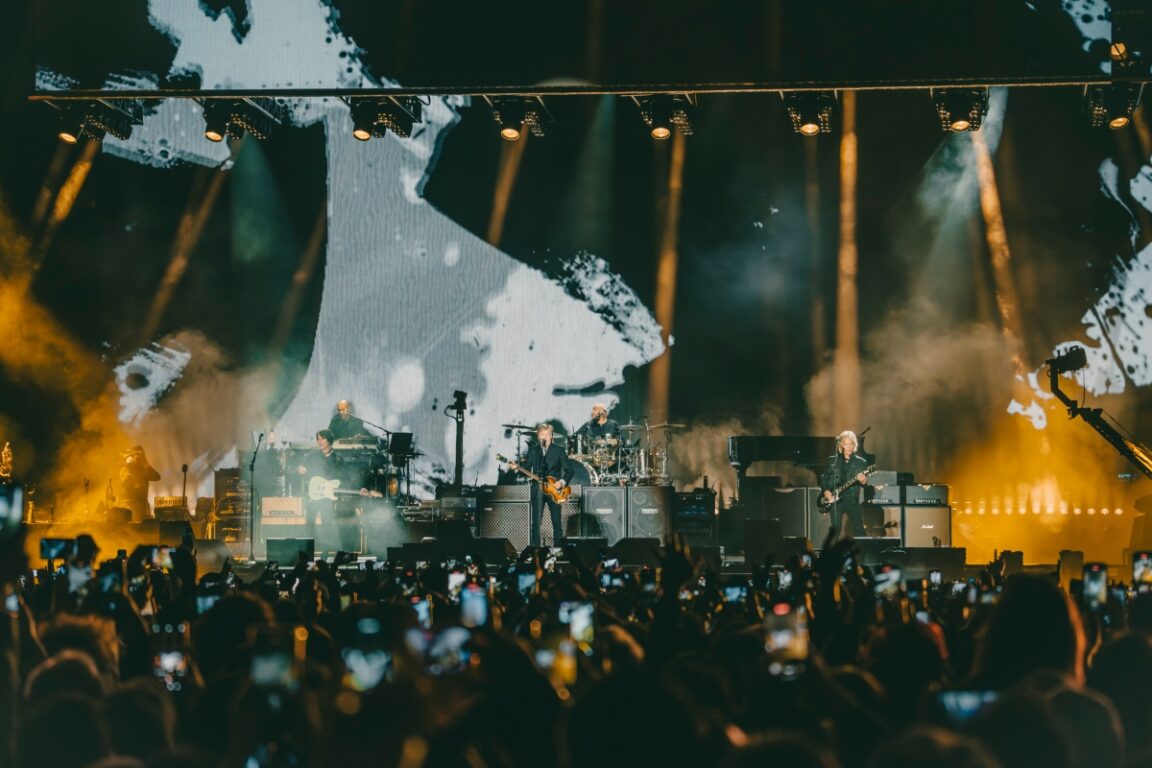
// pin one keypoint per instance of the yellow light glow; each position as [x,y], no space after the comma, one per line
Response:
[661,132]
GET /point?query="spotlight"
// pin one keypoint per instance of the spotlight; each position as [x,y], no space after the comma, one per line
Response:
[95,119]
[514,114]
[375,116]
[961,109]
[233,118]
[1073,359]
[661,112]
[1112,105]
[810,111]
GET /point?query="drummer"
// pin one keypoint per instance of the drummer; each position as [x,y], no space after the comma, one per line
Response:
[600,425]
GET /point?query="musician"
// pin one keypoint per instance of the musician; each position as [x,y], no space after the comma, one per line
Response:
[325,463]
[845,467]
[546,459]
[344,424]
[600,425]
[135,475]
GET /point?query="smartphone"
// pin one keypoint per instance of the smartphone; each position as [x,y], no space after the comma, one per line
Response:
[961,706]
[887,582]
[735,593]
[456,581]
[169,664]
[277,653]
[423,608]
[1141,570]
[784,579]
[473,606]
[11,509]
[579,616]
[366,658]
[786,640]
[934,579]
[806,560]
[1095,578]
[161,557]
[611,563]
[446,651]
[57,549]
[526,582]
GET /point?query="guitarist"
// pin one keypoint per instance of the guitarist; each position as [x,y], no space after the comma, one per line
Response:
[842,468]
[326,463]
[546,459]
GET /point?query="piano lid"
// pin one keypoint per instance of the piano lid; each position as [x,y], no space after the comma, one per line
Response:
[744,450]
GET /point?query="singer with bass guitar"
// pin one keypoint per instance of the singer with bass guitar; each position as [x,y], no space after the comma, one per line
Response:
[841,483]
[545,459]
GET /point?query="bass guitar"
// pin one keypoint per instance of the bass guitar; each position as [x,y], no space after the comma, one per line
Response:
[547,484]
[825,504]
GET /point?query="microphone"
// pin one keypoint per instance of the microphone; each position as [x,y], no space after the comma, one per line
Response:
[184,468]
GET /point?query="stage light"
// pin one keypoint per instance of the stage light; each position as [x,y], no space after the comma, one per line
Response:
[662,112]
[1112,105]
[810,111]
[1071,360]
[960,109]
[375,116]
[97,118]
[514,114]
[232,118]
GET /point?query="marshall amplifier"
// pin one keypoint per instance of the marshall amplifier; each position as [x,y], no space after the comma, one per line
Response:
[932,495]
[884,495]
[919,526]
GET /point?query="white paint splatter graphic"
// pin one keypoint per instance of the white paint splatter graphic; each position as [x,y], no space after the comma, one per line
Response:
[144,378]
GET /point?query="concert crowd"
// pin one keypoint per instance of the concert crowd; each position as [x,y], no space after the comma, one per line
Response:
[563,657]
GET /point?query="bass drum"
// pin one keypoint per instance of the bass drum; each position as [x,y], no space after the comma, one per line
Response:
[583,474]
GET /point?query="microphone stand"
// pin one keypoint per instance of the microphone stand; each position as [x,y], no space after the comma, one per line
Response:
[184,489]
[377,426]
[252,501]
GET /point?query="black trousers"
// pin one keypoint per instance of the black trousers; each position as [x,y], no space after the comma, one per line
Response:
[538,501]
[853,514]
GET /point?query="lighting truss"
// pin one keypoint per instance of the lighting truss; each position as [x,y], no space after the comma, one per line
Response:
[1112,105]
[97,118]
[515,113]
[662,111]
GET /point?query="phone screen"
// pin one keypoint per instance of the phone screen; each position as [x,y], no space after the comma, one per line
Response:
[1141,568]
[888,582]
[579,617]
[162,557]
[961,706]
[934,578]
[57,549]
[1095,577]
[526,582]
[11,509]
[169,663]
[456,581]
[276,654]
[423,609]
[473,606]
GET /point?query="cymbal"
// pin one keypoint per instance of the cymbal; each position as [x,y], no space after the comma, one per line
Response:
[517,426]
[630,427]
[669,426]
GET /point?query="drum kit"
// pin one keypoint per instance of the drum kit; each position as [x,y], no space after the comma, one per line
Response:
[639,455]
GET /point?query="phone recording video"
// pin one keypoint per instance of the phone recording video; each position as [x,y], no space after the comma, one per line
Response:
[11,509]
[473,606]
[57,549]
[366,658]
[1095,578]
[169,664]
[277,653]
[786,640]
[961,706]
[423,608]
[934,579]
[735,593]
[1142,571]
[784,580]
[887,582]
[456,579]
[161,557]
[579,616]
[526,582]
[444,652]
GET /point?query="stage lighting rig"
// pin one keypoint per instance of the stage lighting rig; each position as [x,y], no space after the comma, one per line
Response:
[960,109]
[1112,105]
[233,118]
[100,117]
[810,111]
[374,116]
[662,112]
[514,114]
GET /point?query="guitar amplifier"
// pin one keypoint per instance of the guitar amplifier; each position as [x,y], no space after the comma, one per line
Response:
[170,508]
[932,495]
[282,510]
[919,526]
[884,495]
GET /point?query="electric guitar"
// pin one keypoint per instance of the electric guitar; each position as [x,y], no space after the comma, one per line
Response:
[825,505]
[547,484]
[323,488]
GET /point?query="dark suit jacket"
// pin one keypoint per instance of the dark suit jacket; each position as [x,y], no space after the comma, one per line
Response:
[554,463]
[837,472]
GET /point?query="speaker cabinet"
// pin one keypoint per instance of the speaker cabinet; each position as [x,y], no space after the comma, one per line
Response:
[790,507]
[512,520]
[919,526]
[818,525]
[650,512]
[763,541]
[604,513]
[287,551]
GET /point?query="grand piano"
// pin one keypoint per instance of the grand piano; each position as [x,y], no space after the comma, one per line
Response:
[745,450]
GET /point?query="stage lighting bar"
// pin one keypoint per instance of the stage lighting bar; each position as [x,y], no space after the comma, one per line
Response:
[515,113]
[960,109]
[373,117]
[1112,105]
[98,118]
[810,111]
[232,118]
[662,112]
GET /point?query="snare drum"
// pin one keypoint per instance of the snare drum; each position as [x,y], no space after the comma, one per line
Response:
[579,445]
